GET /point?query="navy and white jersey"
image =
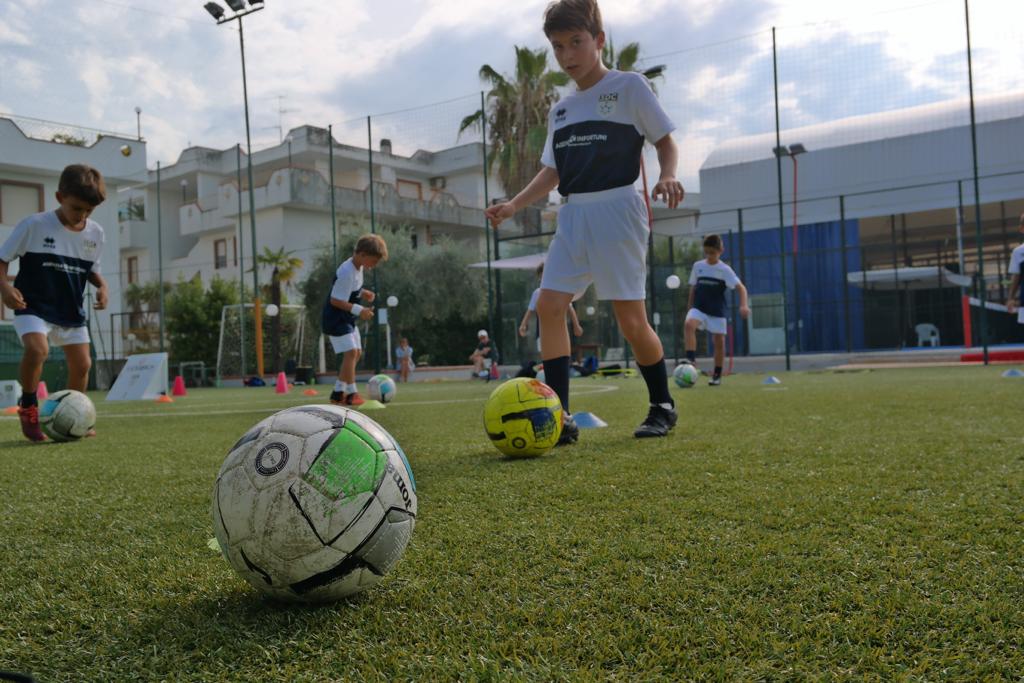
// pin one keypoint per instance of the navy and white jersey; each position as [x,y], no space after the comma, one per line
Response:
[595,136]
[1016,262]
[709,283]
[348,283]
[54,266]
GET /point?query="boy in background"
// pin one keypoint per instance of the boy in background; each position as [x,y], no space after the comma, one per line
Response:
[1013,304]
[342,311]
[59,253]
[709,279]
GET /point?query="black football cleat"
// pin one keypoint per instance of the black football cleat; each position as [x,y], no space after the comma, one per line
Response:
[570,432]
[658,423]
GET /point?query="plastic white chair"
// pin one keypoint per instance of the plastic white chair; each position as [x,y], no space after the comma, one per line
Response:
[927,334]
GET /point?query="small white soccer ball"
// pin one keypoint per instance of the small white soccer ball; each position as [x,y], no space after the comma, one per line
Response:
[381,388]
[272,310]
[67,415]
[686,375]
[314,503]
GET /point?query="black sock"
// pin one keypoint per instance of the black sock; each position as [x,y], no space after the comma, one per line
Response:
[691,356]
[556,376]
[337,395]
[28,399]
[657,382]
[718,371]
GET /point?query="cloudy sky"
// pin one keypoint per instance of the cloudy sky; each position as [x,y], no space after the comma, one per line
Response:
[91,62]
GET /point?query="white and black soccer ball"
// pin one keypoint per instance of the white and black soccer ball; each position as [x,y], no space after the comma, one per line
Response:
[314,503]
[381,388]
[67,415]
[686,375]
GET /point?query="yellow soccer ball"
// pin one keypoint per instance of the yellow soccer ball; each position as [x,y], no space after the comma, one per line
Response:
[523,417]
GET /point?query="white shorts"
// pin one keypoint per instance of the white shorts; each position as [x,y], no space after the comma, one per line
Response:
[707,322]
[55,334]
[601,239]
[1020,315]
[347,342]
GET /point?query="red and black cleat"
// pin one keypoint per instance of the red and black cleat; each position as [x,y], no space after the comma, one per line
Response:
[30,423]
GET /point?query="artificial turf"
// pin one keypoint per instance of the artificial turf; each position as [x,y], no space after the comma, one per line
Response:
[840,525]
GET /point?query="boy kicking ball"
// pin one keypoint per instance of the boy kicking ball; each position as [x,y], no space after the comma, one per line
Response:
[342,312]
[58,253]
[592,154]
[709,279]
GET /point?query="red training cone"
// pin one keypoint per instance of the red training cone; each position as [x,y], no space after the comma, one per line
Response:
[179,386]
[41,392]
[282,384]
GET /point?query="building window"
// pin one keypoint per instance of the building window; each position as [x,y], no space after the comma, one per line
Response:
[19,200]
[234,251]
[410,189]
[220,254]
[132,268]
[415,240]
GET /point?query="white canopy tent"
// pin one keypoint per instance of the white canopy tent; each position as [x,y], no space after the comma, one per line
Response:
[528,262]
[907,278]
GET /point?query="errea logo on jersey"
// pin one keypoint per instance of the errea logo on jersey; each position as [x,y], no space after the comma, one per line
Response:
[49,243]
[560,115]
[607,103]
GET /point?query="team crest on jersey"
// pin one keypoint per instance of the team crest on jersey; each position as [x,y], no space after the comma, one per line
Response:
[607,103]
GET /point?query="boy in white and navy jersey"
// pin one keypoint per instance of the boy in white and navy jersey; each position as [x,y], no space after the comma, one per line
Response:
[342,313]
[58,253]
[531,309]
[709,280]
[1013,304]
[592,155]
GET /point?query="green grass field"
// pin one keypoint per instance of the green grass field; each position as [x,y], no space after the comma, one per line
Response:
[843,525]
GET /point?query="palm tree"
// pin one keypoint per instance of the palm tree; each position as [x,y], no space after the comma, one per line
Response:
[626,59]
[517,116]
[285,268]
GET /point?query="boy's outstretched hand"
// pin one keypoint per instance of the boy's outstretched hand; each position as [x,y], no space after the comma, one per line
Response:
[102,297]
[12,297]
[671,190]
[499,212]
[366,313]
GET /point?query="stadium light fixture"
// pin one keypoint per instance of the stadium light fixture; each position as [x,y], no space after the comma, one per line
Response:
[217,12]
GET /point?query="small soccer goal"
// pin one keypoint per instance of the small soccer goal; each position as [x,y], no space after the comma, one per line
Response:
[236,348]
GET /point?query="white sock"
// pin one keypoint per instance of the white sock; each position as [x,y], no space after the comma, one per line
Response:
[339,385]
[666,406]
[352,389]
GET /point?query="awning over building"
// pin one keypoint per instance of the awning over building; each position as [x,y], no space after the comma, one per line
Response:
[907,278]
[529,262]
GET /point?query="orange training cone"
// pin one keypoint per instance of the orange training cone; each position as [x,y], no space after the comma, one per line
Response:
[309,392]
[179,386]
[164,398]
[41,393]
[282,384]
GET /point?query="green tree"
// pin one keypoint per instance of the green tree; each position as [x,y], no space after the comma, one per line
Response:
[517,116]
[285,266]
[193,318]
[626,60]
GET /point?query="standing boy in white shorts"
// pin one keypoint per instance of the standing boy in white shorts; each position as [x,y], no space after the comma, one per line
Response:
[708,281]
[592,155]
[342,311]
[58,253]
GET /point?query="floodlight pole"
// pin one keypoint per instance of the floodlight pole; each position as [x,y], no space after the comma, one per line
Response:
[257,307]
[487,225]
[241,261]
[160,256]
[982,309]
[778,177]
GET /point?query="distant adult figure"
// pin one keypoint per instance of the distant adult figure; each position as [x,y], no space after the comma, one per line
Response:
[403,354]
[485,350]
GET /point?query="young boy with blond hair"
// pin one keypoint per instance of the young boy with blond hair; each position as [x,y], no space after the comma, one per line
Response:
[592,154]
[1013,304]
[342,312]
[58,253]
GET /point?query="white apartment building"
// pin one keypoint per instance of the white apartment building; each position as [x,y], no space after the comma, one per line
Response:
[205,227]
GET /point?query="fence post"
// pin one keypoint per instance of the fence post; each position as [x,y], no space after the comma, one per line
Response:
[982,309]
[374,326]
[782,220]
[846,283]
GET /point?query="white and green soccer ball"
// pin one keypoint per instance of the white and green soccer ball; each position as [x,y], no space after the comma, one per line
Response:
[314,503]
[381,388]
[67,415]
[685,375]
